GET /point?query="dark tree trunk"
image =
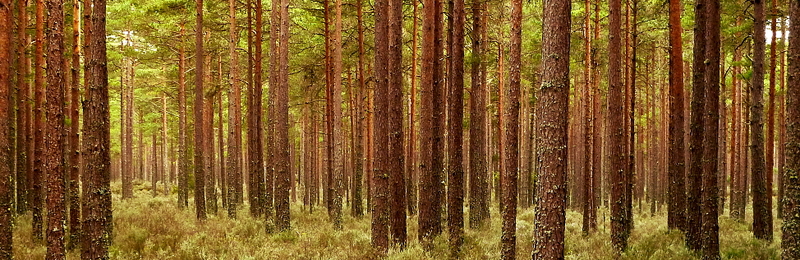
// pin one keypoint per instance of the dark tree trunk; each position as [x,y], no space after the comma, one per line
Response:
[199,136]
[790,240]
[455,191]
[38,191]
[394,101]
[478,179]
[695,160]
[255,151]
[74,134]
[357,204]
[552,107]
[24,139]
[380,179]
[617,157]
[6,185]
[762,202]
[710,190]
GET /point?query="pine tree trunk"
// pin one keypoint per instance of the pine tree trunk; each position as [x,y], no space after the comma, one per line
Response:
[234,116]
[199,125]
[695,174]
[710,189]
[762,202]
[394,101]
[54,138]
[380,176]
[281,117]
[254,127]
[790,240]
[183,153]
[455,189]
[616,104]
[74,132]
[6,174]
[25,150]
[508,208]
[37,179]
[478,182]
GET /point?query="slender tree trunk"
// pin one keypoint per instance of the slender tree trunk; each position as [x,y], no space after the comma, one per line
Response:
[199,136]
[782,123]
[556,18]
[234,116]
[254,128]
[74,132]
[183,153]
[281,100]
[411,159]
[589,124]
[25,157]
[38,191]
[790,240]
[455,191]
[762,202]
[551,108]
[357,206]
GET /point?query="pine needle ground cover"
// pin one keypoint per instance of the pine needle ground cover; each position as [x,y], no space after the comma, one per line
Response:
[155,228]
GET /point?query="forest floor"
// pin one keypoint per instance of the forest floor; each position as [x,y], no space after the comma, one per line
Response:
[155,228]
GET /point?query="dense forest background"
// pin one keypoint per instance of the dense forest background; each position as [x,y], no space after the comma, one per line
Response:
[399,129]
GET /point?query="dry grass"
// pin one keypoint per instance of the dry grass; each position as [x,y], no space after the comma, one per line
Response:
[154,228]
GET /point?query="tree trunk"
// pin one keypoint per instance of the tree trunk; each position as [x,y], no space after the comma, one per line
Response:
[762,202]
[357,206]
[394,101]
[199,136]
[74,132]
[234,116]
[478,179]
[97,215]
[25,157]
[380,175]
[6,174]
[55,131]
[183,153]
[38,138]
[254,128]
[508,208]
[281,162]
[790,240]
[411,158]
[455,191]
[710,190]
[616,122]
[695,161]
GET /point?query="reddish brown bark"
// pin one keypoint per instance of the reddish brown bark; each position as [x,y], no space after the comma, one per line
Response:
[380,172]
[616,122]
[54,138]
[762,202]
[478,175]
[199,136]
[455,189]
[6,185]
[37,198]
[790,240]
[551,108]
[710,191]
[394,101]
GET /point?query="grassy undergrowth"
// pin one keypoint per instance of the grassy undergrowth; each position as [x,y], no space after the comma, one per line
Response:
[155,228]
